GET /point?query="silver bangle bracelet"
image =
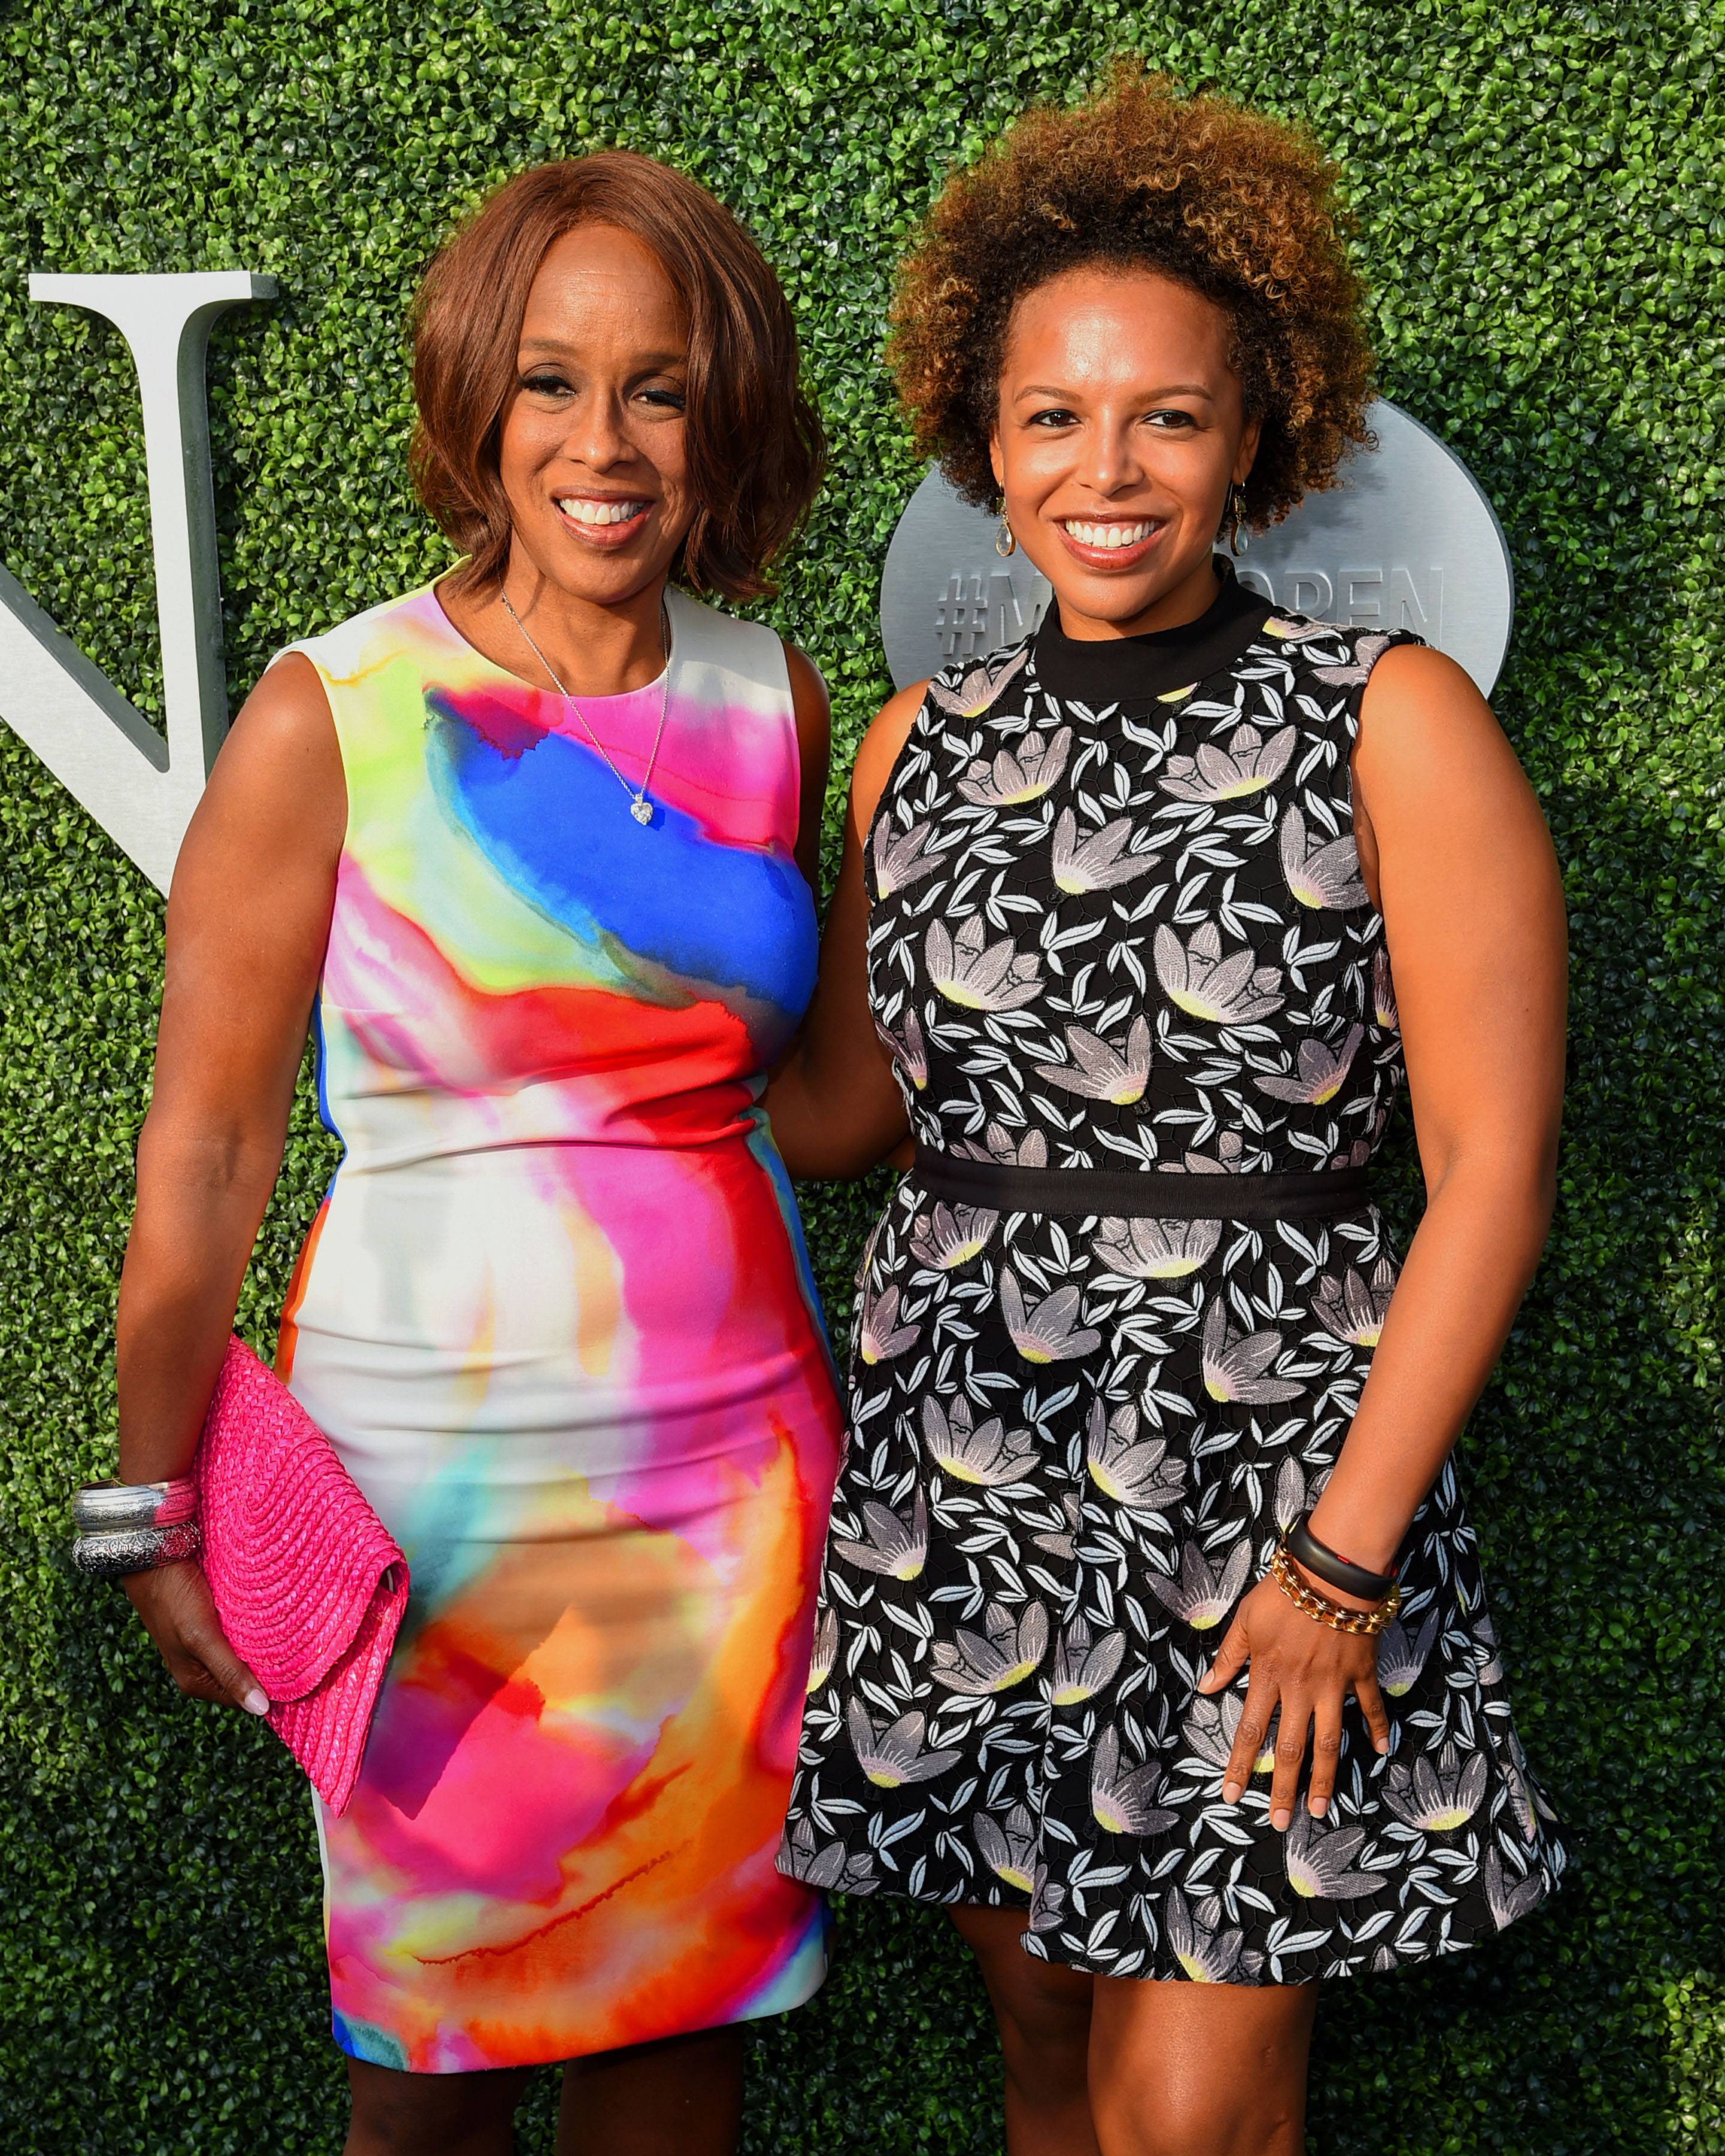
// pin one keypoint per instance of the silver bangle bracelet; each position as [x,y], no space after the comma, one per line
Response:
[100,1507]
[113,1552]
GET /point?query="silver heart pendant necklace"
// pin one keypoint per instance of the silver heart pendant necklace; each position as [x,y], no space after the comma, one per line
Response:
[639,807]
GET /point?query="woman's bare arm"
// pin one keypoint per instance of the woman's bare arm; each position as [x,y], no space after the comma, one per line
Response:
[1457,854]
[248,920]
[814,749]
[1455,849]
[835,1107]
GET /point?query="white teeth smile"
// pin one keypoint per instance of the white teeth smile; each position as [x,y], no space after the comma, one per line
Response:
[581,511]
[1108,536]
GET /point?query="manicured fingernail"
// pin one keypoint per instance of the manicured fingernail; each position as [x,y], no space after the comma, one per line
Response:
[1282,1821]
[1230,1793]
[1317,1806]
[1380,1744]
[256,1702]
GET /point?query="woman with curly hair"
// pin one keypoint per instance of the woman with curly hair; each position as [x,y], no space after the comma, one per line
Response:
[1136,1374]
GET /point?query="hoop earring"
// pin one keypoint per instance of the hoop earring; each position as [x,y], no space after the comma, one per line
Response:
[1237,540]
[1010,545]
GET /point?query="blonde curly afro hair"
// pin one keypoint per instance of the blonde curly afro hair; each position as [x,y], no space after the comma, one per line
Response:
[1238,207]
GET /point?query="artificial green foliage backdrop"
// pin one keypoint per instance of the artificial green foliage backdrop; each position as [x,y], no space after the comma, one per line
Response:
[1540,219]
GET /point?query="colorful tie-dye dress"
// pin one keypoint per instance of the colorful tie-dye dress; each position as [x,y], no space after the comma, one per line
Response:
[556,1316]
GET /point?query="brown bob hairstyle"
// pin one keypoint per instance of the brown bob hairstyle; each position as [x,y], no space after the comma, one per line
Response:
[755,446]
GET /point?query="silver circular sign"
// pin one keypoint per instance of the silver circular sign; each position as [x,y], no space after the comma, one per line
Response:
[1406,541]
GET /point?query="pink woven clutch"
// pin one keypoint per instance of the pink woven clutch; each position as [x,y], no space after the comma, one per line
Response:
[308,1582]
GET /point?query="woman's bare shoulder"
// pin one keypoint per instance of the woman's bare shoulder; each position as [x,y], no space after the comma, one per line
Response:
[277,799]
[882,746]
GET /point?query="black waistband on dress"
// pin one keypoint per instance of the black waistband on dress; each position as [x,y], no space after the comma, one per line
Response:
[1140,1193]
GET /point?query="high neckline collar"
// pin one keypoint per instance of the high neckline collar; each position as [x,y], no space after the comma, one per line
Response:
[1135,670]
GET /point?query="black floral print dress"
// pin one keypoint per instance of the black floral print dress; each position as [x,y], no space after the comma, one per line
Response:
[1117,925]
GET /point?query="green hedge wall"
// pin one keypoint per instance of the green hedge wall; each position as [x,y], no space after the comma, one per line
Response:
[1538,198]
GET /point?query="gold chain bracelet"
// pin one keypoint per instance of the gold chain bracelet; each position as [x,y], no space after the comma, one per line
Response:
[1310,1602]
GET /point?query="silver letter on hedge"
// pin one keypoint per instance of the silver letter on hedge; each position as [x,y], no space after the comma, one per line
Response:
[141,790]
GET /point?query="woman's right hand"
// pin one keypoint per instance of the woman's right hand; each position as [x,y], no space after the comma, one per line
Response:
[179,1613]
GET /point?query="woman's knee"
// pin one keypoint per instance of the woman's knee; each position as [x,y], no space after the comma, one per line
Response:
[1041,2006]
[402,2114]
[1200,2069]
[1173,2121]
[1047,2003]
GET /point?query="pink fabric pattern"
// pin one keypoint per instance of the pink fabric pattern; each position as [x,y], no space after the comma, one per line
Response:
[557,1319]
[309,1585]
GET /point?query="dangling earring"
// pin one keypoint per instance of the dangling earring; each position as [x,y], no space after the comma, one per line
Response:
[1004,543]
[1237,539]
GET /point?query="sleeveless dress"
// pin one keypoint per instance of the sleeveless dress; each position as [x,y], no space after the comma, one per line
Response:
[1117,924]
[557,1318]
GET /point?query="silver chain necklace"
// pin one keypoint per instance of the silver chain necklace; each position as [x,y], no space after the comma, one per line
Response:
[639,807]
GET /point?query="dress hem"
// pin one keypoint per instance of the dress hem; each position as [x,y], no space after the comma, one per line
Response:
[564,2058]
[1347,1966]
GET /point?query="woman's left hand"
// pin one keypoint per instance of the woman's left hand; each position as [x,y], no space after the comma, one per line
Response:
[1307,1670]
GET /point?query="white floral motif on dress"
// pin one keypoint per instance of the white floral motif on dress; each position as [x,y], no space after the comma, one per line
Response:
[1136,940]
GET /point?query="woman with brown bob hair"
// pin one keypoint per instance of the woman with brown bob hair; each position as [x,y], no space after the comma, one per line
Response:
[1139,924]
[531,848]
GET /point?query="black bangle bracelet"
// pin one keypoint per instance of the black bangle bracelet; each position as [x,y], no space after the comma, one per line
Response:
[1306,1549]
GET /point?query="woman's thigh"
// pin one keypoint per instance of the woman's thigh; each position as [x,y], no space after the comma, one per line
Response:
[1041,2000]
[1043,2013]
[1200,2069]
